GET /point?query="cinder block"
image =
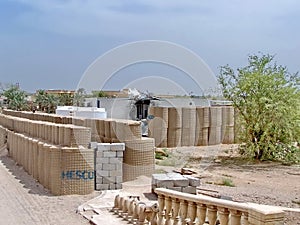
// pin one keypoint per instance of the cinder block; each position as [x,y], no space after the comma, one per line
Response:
[101,187]
[176,189]
[119,166]
[119,179]
[102,160]
[109,154]
[108,180]
[159,177]
[189,189]
[99,180]
[93,145]
[115,173]
[112,186]
[178,180]
[164,183]
[108,166]
[99,167]
[115,160]
[119,186]
[102,173]
[117,146]
[120,154]
[193,181]
[103,146]
[99,154]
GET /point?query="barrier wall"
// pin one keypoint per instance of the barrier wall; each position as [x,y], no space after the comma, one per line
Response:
[200,126]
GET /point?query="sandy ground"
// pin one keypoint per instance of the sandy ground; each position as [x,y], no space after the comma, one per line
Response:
[24,201]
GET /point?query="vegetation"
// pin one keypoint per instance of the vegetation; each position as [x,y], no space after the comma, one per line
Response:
[46,102]
[227,182]
[16,98]
[267,99]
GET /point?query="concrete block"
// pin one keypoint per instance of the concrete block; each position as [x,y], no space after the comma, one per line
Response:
[109,154]
[119,186]
[102,160]
[115,173]
[164,183]
[112,186]
[120,154]
[109,180]
[93,145]
[115,161]
[178,180]
[99,167]
[102,173]
[119,179]
[189,189]
[117,147]
[193,181]
[99,154]
[176,189]
[108,166]
[159,177]
[99,180]
[101,187]
[103,147]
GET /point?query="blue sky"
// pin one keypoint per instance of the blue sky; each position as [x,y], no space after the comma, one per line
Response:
[50,43]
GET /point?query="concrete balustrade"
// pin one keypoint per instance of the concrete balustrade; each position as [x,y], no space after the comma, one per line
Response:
[131,209]
[182,208]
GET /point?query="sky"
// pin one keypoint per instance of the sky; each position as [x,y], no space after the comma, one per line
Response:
[49,44]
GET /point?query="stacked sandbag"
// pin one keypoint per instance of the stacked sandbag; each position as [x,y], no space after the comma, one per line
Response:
[138,158]
[158,125]
[215,126]
[175,127]
[188,126]
[227,125]
[202,126]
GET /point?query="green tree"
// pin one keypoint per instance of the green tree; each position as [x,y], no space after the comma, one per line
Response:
[16,98]
[46,102]
[79,97]
[267,99]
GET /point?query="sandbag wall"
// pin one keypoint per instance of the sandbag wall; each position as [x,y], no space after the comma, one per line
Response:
[56,155]
[112,131]
[192,126]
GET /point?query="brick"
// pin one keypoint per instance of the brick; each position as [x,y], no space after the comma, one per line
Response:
[103,147]
[193,181]
[189,189]
[109,154]
[115,160]
[115,173]
[108,166]
[100,187]
[117,146]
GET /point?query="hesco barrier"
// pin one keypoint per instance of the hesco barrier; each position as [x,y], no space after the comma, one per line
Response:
[70,132]
[192,126]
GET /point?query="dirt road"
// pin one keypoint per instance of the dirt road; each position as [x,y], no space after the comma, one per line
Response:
[24,201]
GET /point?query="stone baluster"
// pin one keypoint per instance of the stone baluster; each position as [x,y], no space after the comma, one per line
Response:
[223,215]
[201,214]
[235,217]
[161,206]
[142,215]
[153,219]
[115,208]
[175,213]
[212,214]
[131,210]
[183,211]
[121,208]
[168,212]
[126,203]
[192,210]
[136,213]
[245,218]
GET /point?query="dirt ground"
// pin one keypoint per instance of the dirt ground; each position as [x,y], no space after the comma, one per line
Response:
[223,174]
[24,201]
